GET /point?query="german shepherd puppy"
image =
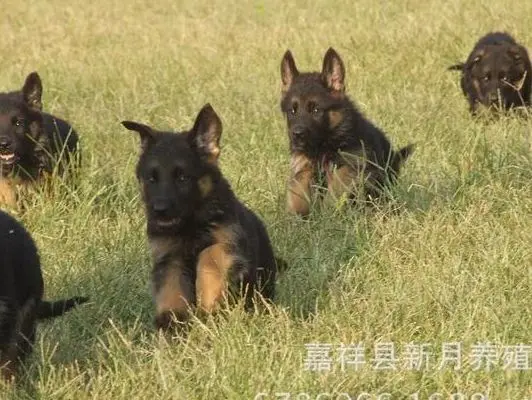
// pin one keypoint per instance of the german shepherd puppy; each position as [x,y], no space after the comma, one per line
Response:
[203,240]
[21,292]
[497,73]
[32,143]
[330,138]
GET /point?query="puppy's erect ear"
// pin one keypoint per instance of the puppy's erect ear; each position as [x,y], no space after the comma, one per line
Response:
[333,71]
[206,133]
[32,91]
[147,134]
[518,53]
[288,70]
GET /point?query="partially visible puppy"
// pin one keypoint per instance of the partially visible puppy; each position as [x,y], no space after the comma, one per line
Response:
[497,73]
[21,291]
[32,143]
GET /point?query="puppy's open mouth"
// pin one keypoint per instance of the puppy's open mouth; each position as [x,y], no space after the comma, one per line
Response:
[8,159]
[165,223]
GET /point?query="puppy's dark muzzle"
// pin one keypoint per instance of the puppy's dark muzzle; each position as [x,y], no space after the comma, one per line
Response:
[7,153]
[299,133]
[6,145]
[493,99]
[161,207]
[163,214]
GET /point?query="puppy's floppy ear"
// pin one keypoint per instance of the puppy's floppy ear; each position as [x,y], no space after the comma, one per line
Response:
[206,133]
[32,91]
[288,70]
[147,134]
[333,71]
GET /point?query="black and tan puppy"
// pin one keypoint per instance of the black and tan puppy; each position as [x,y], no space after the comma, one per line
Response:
[21,291]
[204,241]
[497,74]
[329,137]
[32,142]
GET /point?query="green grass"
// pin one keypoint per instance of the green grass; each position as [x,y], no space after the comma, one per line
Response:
[449,260]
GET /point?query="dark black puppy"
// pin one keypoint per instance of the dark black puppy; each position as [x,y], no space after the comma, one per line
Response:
[330,137]
[203,240]
[21,291]
[32,143]
[497,73]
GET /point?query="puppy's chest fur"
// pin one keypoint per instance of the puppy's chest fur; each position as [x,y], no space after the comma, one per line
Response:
[182,248]
[183,251]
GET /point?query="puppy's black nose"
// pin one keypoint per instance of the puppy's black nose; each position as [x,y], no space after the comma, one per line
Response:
[5,143]
[493,97]
[299,131]
[160,206]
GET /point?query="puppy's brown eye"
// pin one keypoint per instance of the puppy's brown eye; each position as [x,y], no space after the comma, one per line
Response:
[18,121]
[182,178]
[293,110]
[486,78]
[153,177]
[315,110]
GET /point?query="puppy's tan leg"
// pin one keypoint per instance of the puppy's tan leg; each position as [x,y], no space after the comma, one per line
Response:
[340,180]
[214,265]
[173,286]
[174,293]
[347,179]
[356,178]
[302,171]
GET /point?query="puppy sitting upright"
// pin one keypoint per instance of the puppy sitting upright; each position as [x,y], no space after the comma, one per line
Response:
[32,143]
[497,74]
[21,291]
[329,137]
[203,240]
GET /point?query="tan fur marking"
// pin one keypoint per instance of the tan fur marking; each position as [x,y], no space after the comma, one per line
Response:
[357,174]
[300,184]
[174,293]
[335,118]
[341,180]
[7,193]
[214,264]
[213,155]
[205,185]
[161,246]
[12,189]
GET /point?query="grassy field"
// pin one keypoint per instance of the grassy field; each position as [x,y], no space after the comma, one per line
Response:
[448,260]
